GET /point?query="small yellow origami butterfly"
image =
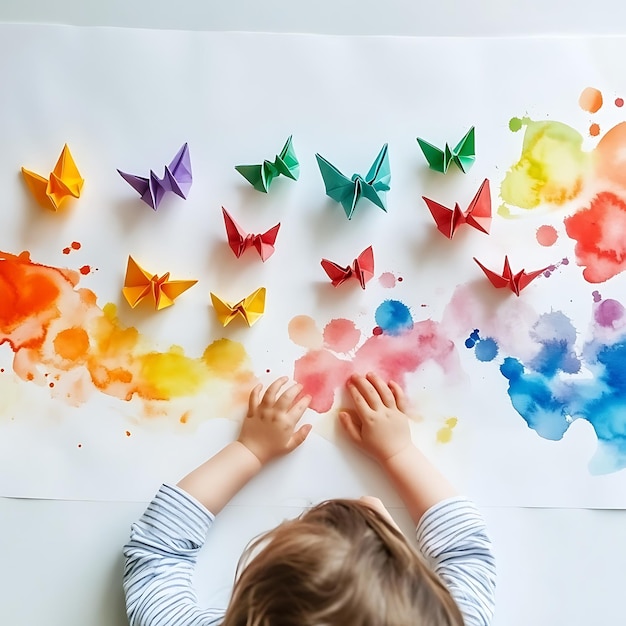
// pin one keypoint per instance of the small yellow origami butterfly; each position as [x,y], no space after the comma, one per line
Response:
[250,308]
[139,284]
[64,182]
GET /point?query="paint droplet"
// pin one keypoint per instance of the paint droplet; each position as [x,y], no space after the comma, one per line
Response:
[486,350]
[394,317]
[547,235]
[400,279]
[444,434]
[594,130]
[66,250]
[341,335]
[387,280]
[515,123]
[85,269]
[128,433]
[619,102]
[75,245]
[303,331]
[596,296]
[51,385]
[80,445]
[590,100]
[1,370]
[184,418]
[377,330]
[267,371]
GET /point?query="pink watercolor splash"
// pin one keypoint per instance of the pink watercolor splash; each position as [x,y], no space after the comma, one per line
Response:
[402,347]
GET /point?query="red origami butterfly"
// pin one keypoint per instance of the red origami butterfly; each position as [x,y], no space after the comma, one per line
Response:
[515,282]
[478,213]
[362,269]
[239,241]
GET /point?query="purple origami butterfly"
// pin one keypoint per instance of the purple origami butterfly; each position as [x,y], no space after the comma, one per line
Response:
[177,178]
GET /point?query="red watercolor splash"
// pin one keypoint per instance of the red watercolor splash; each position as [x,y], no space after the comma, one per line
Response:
[547,235]
[322,373]
[341,335]
[85,269]
[600,232]
[619,102]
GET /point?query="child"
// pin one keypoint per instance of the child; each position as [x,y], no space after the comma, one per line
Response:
[341,563]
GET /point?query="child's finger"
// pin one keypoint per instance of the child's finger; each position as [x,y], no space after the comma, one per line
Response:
[299,436]
[399,395]
[352,427]
[285,400]
[272,391]
[254,399]
[296,411]
[385,393]
[366,391]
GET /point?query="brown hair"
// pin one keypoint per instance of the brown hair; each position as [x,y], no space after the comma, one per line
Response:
[338,564]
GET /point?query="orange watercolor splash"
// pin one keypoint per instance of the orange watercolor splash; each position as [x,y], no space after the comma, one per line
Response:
[590,100]
[57,330]
[594,130]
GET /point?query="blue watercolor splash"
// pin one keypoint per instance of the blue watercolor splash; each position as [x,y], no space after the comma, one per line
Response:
[547,396]
[485,349]
[393,317]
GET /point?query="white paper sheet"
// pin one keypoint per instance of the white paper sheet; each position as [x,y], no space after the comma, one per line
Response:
[128,99]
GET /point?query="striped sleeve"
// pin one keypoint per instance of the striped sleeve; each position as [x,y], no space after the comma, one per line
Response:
[453,537]
[160,558]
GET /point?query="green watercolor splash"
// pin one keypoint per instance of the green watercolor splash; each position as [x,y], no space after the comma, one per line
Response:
[552,168]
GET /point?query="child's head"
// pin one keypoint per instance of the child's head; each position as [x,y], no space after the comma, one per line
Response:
[340,563]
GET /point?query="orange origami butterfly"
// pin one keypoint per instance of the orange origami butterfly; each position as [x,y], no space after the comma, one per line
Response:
[140,284]
[64,182]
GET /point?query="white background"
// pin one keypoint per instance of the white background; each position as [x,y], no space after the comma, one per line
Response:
[61,561]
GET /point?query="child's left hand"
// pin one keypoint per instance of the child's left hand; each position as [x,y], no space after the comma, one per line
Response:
[268,430]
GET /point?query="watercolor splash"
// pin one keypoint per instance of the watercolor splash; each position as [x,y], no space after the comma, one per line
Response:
[553,383]
[61,339]
[555,172]
[397,346]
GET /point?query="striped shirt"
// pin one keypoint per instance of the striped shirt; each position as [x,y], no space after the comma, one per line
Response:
[161,554]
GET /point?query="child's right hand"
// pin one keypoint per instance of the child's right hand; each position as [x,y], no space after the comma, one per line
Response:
[379,425]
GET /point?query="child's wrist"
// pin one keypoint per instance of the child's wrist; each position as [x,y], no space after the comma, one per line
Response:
[248,456]
[398,458]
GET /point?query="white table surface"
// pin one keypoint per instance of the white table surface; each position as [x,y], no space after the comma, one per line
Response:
[61,561]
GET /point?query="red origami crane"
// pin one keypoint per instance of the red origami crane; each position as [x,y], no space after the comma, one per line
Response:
[362,269]
[478,214]
[239,241]
[515,282]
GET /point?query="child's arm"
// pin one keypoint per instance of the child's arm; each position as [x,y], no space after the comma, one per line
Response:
[161,555]
[380,428]
[450,530]
[267,432]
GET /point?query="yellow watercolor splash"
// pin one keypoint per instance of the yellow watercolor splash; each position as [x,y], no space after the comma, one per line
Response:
[552,168]
[444,434]
[63,340]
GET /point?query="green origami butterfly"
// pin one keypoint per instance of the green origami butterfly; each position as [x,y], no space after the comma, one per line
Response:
[261,176]
[348,191]
[463,154]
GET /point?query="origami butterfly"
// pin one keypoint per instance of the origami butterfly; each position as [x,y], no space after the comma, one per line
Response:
[515,282]
[463,154]
[177,178]
[250,308]
[362,269]
[348,191]
[139,284]
[478,214]
[64,182]
[261,176]
[239,241]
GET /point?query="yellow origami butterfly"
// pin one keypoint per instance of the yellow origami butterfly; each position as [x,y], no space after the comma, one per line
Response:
[64,182]
[250,308]
[139,284]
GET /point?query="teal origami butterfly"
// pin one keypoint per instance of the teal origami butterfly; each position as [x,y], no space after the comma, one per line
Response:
[463,154]
[261,176]
[348,191]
